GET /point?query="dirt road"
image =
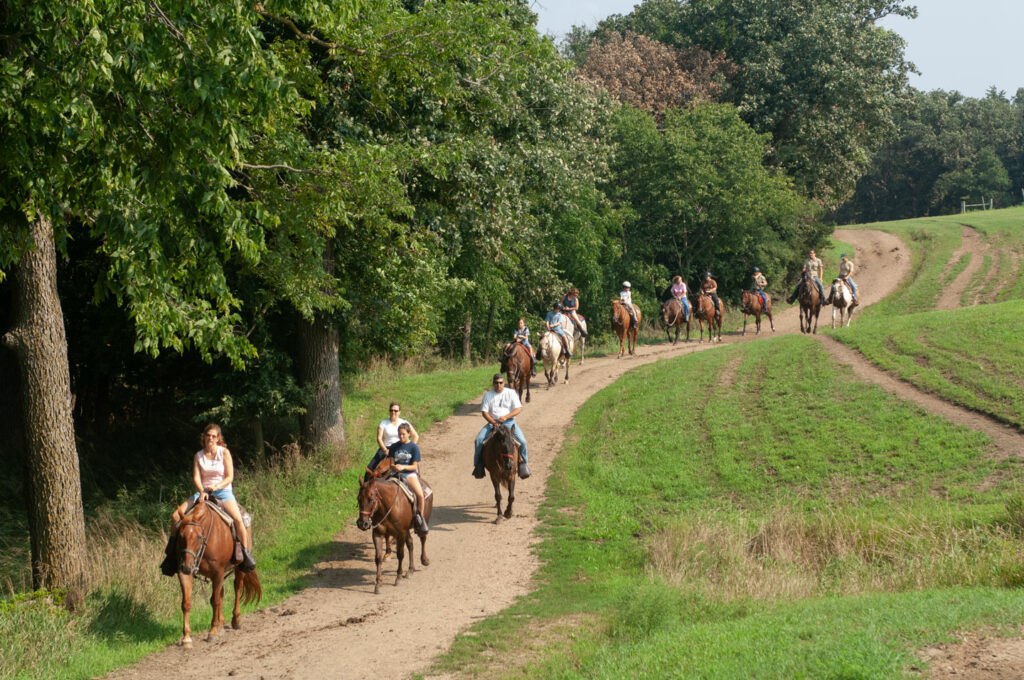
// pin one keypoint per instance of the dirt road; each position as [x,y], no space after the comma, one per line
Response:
[339,629]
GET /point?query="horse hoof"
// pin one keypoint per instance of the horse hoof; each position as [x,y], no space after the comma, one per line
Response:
[498,519]
[424,561]
[236,625]
[376,590]
[186,643]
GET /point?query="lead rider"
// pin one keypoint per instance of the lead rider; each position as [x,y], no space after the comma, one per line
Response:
[500,407]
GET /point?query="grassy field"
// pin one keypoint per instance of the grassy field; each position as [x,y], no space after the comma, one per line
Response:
[298,502]
[753,511]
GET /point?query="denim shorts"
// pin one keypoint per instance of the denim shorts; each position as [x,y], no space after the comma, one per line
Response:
[221,495]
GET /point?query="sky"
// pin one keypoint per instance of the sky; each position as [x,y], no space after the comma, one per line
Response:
[955,44]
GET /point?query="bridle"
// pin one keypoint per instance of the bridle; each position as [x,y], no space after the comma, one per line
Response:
[679,313]
[204,534]
[375,503]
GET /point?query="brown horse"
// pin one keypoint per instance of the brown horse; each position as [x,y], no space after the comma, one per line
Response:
[386,509]
[704,310]
[515,364]
[621,326]
[672,314]
[810,304]
[501,459]
[751,305]
[206,547]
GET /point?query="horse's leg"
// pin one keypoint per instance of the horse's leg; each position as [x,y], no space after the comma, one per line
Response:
[744,323]
[400,542]
[511,496]
[412,557]
[771,321]
[186,606]
[378,558]
[497,498]
[834,309]
[429,506]
[236,612]
[217,603]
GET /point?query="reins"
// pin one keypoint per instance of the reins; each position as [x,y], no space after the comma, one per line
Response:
[373,508]
[204,534]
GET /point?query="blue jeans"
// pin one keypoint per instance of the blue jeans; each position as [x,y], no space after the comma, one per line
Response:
[684,304]
[220,494]
[852,285]
[486,431]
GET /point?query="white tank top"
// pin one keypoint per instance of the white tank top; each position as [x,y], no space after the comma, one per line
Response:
[211,472]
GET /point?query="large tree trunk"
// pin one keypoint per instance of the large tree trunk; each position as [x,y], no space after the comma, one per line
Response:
[467,338]
[55,514]
[323,424]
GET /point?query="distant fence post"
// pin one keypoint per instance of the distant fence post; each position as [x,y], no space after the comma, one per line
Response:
[963,205]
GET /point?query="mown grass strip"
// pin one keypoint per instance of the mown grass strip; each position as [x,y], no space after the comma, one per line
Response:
[971,356]
[754,511]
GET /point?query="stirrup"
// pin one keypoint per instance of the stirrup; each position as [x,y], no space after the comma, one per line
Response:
[248,562]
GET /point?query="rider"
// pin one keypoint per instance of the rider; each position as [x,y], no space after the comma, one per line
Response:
[760,283]
[571,308]
[846,273]
[626,299]
[678,291]
[554,323]
[213,471]
[814,267]
[387,434]
[500,406]
[522,335]
[710,287]
[406,456]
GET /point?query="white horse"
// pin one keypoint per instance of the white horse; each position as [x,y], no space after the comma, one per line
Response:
[842,302]
[551,352]
[579,340]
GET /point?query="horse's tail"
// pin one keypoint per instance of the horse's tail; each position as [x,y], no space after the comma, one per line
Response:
[252,591]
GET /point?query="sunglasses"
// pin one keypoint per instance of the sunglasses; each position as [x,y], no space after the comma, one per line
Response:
[395,410]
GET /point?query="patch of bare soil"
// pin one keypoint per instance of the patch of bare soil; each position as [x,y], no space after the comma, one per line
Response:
[338,628]
[977,657]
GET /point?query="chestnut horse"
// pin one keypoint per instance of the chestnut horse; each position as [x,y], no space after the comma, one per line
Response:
[810,303]
[751,305]
[386,509]
[704,310]
[206,547]
[515,364]
[620,324]
[842,300]
[501,459]
[672,315]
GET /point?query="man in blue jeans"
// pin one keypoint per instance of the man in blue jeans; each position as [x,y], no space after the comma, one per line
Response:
[500,406]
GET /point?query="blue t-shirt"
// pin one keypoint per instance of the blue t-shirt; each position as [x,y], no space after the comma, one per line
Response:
[404,454]
[554,320]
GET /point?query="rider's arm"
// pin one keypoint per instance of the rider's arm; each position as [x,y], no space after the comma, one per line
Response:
[197,476]
[380,439]
[510,415]
[414,436]
[229,473]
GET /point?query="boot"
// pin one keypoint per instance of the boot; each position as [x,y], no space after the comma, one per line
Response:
[421,524]
[478,471]
[533,367]
[524,471]
[248,561]
[169,567]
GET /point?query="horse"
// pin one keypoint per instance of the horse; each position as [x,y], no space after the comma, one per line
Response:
[515,364]
[672,315]
[751,306]
[704,310]
[810,304]
[386,509]
[550,349]
[842,301]
[621,326]
[501,460]
[206,547]
[579,340]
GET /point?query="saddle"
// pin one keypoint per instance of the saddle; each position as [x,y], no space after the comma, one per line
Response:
[409,492]
[219,510]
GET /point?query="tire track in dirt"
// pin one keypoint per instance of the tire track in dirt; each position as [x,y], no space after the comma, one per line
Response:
[973,243]
[338,628]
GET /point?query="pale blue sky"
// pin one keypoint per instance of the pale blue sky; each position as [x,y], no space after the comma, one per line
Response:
[955,44]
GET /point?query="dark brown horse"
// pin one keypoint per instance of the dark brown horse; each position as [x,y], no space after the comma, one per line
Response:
[672,314]
[704,310]
[515,364]
[751,305]
[386,509]
[206,547]
[810,304]
[621,326]
[501,460]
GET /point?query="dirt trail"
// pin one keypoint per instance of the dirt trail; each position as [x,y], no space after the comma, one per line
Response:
[973,243]
[338,628]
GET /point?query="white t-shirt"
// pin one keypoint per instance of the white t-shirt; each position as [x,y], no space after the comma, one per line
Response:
[626,297]
[500,404]
[390,435]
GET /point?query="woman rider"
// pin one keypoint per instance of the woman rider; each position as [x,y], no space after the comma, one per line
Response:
[405,455]
[710,287]
[678,292]
[571,308]
[387,434]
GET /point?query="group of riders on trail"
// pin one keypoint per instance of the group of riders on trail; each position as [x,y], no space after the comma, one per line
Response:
[397,439]
[813,269]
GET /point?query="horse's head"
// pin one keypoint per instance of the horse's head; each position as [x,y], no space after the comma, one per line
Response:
[669,311]
[368,501]
[193,535]
[504,442]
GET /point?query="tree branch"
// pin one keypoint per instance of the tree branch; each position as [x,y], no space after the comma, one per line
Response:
[285,21]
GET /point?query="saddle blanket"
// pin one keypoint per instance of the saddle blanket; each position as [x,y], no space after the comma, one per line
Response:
[409,492]
[219,510]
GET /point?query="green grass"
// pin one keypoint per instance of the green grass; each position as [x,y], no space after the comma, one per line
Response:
[972,356]
[298,505]
[754,511]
